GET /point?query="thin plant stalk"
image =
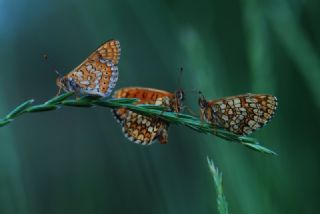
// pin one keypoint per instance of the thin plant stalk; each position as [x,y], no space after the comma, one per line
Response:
[189,121]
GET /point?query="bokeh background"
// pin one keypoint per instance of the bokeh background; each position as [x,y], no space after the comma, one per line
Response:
[76,160]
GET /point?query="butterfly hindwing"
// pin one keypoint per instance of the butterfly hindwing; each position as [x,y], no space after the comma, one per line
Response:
[243,114]
[139,128]
[95,78]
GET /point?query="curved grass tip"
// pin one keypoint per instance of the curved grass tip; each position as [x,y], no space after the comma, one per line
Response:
[19,109]
[259,148]
[5,122]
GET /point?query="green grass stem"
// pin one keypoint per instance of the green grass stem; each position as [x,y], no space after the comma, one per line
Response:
[148,110]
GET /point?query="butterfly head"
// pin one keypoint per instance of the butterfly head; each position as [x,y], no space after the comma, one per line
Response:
[67,84]
[61,81]
[179,94]
[206,112]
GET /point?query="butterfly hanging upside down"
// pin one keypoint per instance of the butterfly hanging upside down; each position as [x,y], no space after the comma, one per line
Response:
[141,129]
[96,75]
[242,114]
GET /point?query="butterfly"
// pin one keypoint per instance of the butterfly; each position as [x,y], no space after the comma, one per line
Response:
[241,114]
[141,129]
[96,75]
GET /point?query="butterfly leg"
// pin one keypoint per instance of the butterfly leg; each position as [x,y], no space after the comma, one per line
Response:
[163,135]
[189,110]
[77,92]
[59,91]
[201,117]
[177,109]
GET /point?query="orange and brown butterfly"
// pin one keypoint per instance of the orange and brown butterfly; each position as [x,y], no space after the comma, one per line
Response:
[141,129]
[241,114]
[96,75]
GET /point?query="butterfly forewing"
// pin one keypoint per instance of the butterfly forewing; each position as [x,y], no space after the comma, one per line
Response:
[139,128]
[243,114]
[109,50]
[98,74]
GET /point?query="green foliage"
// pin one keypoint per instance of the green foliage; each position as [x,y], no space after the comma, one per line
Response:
[148,110]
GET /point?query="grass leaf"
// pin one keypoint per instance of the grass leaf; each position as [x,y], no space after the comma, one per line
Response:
[40,108]
[60,98]
[76,103]
[217,178]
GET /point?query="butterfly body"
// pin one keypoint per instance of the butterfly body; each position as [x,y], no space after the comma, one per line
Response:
[241,114]
[142,129]
[96,75]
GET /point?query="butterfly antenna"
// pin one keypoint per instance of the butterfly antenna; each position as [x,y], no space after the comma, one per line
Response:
[193,91]
[180,77]
[45,57]
[201,94]
[57,72]
[180,83]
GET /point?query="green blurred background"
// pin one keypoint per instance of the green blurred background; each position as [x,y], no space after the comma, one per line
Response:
[77,160]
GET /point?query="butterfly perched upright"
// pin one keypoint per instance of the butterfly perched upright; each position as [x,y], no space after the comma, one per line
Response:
[141,129]
[96,75]
[242,114]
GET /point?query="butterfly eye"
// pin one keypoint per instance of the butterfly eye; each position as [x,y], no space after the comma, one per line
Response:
[59,81]
[180,94]
[202,102]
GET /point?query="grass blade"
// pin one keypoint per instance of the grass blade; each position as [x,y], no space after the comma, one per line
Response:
[260,148]
[60,98]
[40,108]
[217,178]
[18,110]
[76,103]
[5,122]
[124,100]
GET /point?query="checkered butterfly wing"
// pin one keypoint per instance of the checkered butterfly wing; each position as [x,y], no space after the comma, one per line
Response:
[98,74]
[243,114]
[138,128]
